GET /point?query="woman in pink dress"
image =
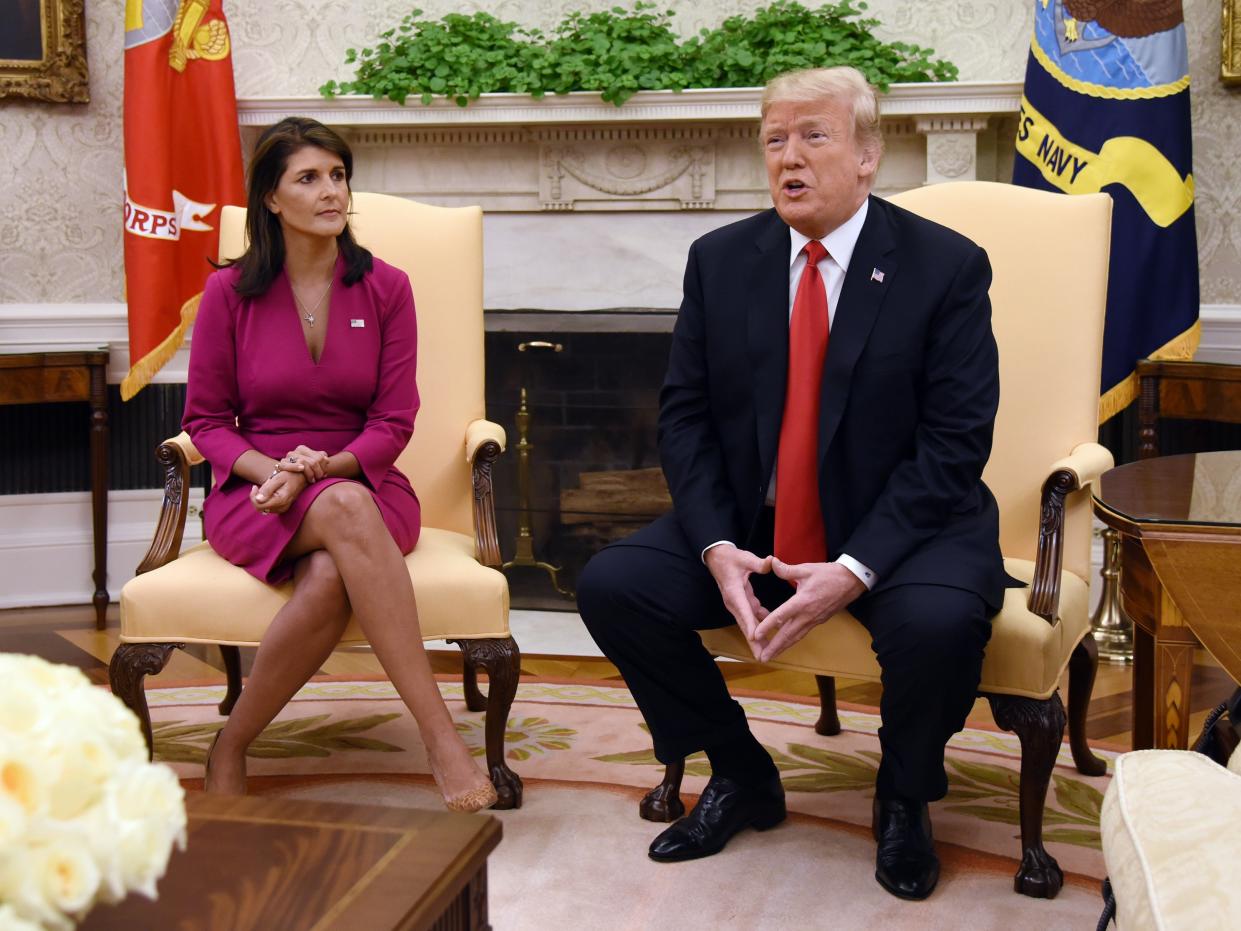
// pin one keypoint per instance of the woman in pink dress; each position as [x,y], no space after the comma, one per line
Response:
[301,395]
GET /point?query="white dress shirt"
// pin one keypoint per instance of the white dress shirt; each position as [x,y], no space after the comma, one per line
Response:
[839,244]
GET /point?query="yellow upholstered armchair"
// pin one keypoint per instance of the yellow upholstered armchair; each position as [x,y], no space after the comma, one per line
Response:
[1049,256]
[198,597]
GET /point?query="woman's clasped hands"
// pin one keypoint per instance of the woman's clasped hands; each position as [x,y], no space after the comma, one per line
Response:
[301,467]
[311,463]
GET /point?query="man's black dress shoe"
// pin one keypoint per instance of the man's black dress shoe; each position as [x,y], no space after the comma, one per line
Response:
[905,864]
[723,809]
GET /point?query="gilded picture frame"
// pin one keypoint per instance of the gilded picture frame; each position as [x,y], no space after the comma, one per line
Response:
[43,50]
[1230,43]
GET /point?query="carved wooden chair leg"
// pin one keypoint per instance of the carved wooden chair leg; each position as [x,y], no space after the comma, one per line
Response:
[1040,725]
[131,664]
[828,724]
[663,803]
[474,699]
[232,672]
[501,659]
[1083,665]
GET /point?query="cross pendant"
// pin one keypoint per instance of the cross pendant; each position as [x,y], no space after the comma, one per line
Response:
[310,318]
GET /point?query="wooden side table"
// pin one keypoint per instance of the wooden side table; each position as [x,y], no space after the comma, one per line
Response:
[256,864]
[1179,520]
[1184,391]
[35,376]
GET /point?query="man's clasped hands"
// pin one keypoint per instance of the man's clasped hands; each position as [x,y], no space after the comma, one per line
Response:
[821,590]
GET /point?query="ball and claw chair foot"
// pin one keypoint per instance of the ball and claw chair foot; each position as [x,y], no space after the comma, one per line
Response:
[1039,724]
[501,659]
[508,787]
[663,803]
[1039,875]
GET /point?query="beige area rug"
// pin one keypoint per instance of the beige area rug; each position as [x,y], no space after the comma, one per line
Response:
[574,856]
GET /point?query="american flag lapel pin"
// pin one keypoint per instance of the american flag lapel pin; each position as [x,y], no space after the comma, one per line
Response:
[876,275]
[357,323]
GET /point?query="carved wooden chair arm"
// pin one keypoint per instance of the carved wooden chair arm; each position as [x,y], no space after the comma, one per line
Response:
[484,441]
[176,455]
[1072,473]
[1088,461]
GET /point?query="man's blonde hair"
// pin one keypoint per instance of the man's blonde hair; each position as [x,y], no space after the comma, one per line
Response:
[842,84]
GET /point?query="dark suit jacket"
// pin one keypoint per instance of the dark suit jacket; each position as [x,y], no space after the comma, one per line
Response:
[910,390]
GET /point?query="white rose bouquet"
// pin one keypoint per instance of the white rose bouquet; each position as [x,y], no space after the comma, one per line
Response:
[84,817]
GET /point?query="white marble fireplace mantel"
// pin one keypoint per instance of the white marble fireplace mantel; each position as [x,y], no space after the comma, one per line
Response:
[593,206]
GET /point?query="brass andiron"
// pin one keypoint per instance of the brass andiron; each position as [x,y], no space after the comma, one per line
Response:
[1112,629]
[524,554]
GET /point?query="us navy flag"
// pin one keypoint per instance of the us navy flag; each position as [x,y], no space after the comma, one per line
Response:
[1106,108]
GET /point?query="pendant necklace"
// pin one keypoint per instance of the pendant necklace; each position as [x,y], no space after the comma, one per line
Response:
[309,315]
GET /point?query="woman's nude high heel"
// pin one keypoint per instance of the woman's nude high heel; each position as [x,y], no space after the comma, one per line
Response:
[476,799]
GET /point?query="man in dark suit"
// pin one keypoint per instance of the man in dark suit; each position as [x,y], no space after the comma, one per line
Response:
[824,424]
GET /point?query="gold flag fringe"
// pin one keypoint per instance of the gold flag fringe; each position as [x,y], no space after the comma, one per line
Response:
[141,373]
[1120,396]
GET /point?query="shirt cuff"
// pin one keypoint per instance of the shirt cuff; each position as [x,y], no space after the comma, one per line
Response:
[862,572]
[703,556]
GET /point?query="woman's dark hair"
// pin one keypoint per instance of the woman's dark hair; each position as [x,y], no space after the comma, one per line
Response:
[264,257]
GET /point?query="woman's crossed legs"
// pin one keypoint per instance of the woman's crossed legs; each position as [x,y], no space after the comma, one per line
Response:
[345,560]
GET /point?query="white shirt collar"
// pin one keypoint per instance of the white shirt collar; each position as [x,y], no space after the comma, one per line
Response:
[839,243]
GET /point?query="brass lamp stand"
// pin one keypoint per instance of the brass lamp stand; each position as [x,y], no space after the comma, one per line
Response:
[1112,629]
[524,553]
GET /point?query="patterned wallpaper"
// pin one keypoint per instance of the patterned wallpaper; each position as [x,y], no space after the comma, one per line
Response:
[60,165]
[60,183]
[1217,171]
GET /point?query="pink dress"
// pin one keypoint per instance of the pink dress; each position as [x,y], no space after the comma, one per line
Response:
[253,385]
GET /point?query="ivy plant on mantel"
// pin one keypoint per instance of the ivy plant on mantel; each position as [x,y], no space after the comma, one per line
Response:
[618,53]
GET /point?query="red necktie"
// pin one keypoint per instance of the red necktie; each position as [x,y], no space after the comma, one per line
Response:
[799,535]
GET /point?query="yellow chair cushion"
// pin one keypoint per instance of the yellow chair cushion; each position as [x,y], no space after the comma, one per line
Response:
[1168,841]
[201,598]
[1026,655]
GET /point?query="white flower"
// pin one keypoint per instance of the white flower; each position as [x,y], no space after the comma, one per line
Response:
[118,727]
[67,875]
[96,828]
[145,790]
[13,820]
[51,881]
[85,762]
[150,808]
[21,708]
[24,777]
[84,817]
[11,921]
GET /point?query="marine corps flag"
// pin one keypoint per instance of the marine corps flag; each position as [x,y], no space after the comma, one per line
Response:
[182,164]
[1106,108]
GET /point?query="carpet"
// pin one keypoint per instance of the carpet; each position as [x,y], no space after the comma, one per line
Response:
[574,855]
